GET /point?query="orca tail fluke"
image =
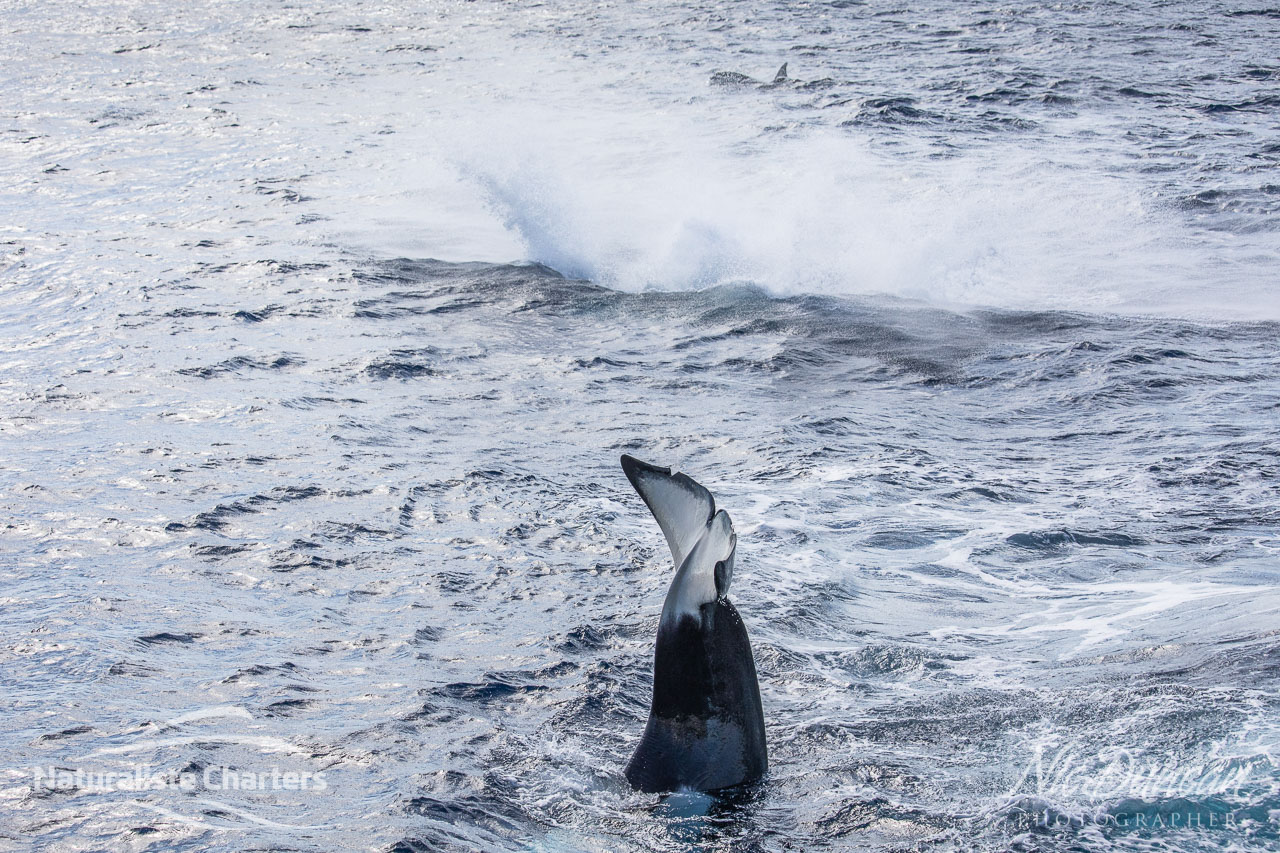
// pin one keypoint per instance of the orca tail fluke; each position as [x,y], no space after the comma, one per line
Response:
[681,505]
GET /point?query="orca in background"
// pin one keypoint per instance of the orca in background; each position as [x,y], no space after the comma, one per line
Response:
[706,726]
[736,78]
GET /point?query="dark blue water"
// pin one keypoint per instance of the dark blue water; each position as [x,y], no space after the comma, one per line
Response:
[969,323]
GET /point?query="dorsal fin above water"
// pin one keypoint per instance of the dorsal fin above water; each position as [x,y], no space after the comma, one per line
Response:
[781,76]
[682,506]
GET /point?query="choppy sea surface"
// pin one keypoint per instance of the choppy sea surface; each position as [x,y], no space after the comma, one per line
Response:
[322,327]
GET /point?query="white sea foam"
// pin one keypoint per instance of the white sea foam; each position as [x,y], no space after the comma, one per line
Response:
[468,134]
[1100,613]
[658,181]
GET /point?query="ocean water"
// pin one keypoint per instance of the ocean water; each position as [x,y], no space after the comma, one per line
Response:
[324,325]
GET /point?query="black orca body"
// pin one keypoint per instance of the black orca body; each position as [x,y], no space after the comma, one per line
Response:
[706,725]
